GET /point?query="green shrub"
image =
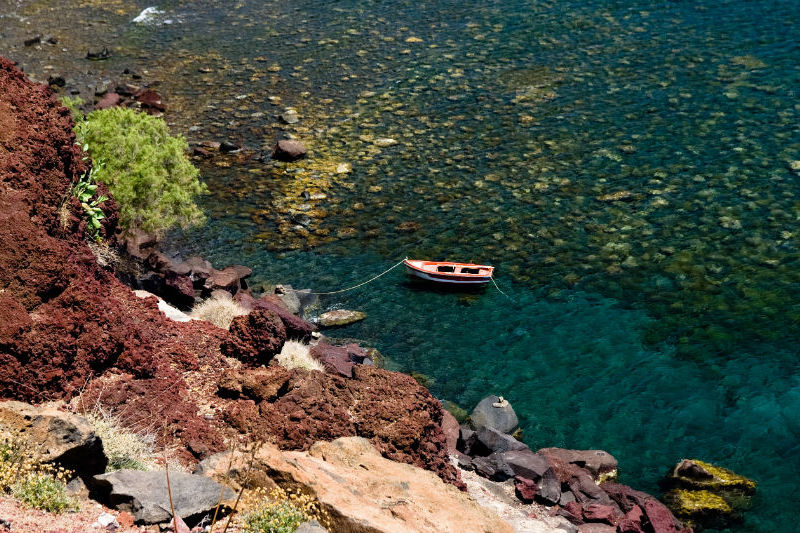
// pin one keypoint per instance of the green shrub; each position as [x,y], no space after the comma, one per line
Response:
[145,168]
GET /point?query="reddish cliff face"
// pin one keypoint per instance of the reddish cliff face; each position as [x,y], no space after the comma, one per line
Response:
[68,327]
[63,319]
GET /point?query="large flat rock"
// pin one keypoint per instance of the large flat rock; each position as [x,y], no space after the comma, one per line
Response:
[145,496]
[365,492]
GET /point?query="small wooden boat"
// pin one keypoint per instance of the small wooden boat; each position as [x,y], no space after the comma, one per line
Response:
[449,272]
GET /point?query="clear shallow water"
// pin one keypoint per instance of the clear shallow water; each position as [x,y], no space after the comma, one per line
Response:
[627,165]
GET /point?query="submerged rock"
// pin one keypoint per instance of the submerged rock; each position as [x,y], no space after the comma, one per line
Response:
[288,150]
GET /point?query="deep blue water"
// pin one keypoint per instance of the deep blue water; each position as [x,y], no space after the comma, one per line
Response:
[628,166]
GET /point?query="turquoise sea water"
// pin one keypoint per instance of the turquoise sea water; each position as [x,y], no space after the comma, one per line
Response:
[630,167]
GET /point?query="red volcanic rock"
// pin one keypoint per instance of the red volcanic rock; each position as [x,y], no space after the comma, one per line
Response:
[255,338]
[600,513]
[179,290]
[339,359]
[632,521]
[656,514]
[451,430]
[150,100]
[69,327]
[109,100]
[296,327]
[400,417]
[525,489]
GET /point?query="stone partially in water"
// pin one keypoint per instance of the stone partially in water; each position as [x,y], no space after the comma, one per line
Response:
[340,317]
[503,418]
[288,150]
[707,495]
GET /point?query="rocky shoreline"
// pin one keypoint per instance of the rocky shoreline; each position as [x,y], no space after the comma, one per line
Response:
[70,330]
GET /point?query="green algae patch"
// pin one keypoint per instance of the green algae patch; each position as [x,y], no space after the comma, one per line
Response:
[700,508]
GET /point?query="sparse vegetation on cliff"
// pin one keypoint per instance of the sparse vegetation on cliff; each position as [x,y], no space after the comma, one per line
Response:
[145,168]
[279,512]
[295,354]
[218,311]
[37,485]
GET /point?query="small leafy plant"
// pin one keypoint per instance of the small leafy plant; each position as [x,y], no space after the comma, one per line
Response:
[84,190]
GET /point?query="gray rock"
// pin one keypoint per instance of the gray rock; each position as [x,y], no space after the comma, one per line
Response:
[59,437]
[527,464]
[144,494]
[489,440]
[548,488]
[289,116]
[307,298]
[311,527]
[289,297]
[533,466]
[492,467]
[465,439]
[503,419]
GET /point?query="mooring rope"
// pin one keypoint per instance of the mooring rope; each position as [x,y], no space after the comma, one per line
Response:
[360,284]
[498,288]
[370,280]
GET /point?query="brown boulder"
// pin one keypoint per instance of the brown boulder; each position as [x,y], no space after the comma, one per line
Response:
[451,431]
[150,100]
[601,464]
[288,150]
[296,327]
[227,279]
[179,290]
[109,100]
[56,436]
[338,359]
[255,338]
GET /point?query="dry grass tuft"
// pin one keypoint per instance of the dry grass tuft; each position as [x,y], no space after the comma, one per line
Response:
[107,257]
[295,354]
[123,447]
[218,311]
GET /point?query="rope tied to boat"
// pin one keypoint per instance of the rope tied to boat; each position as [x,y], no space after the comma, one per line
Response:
[360,284]
[370,280]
